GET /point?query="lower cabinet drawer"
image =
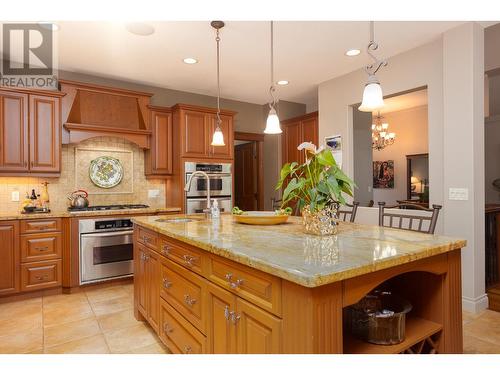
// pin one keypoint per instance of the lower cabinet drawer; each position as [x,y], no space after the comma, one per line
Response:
[180,336]
[40,246]
[40,275]
[185,291]
[190,258]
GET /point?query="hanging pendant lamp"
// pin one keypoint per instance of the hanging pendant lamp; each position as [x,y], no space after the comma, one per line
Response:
[373,98]
[273,121]
[218,136]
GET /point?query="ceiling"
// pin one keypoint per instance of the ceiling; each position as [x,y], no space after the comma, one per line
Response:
[306,53]
[405,101]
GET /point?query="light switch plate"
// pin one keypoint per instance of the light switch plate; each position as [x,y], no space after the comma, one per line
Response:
[458,194]
[155,193]
[14,196]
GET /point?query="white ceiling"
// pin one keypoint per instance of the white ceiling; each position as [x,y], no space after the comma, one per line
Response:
[405,101]
[306,53]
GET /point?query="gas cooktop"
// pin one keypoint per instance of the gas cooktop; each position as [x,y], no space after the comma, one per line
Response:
[108,207]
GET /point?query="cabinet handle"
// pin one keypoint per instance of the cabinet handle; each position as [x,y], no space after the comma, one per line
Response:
[189,300]
[188,259]
[166,284]
[165,250]
[144,257]
[167,329]
[188,350]
[42,248]
[228,314]
[235,318]
[233,284]
[40,278]
[32,164]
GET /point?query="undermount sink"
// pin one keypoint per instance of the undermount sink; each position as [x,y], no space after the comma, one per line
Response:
[176,220]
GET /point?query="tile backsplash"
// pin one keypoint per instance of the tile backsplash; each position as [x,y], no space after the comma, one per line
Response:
[61,187]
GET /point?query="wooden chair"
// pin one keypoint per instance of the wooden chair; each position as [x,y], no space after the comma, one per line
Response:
[343,214]
[397,220]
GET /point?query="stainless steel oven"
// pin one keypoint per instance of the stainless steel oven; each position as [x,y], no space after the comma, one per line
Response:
[221,180]
[106,249]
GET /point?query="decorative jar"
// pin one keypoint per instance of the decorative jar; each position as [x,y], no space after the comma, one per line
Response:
[322,222]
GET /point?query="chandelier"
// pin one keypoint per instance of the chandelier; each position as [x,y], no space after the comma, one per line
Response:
[381,137]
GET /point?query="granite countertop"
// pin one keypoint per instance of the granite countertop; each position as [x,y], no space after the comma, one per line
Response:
[285,251]
[153,211]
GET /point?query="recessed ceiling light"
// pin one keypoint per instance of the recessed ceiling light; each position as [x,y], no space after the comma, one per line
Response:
[140,28]
[190,60]
[49,25]
[283,82]
[353,52]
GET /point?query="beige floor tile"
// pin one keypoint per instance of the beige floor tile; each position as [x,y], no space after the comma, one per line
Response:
[106,294]
[484,330]
[22,342]
[67,313]
[131,338]
[156,348]
[22,323]
[12,310]
[112,306]
[61,333]
[89,345]
[64,300]
[129,288]
[119,320]
[474,345]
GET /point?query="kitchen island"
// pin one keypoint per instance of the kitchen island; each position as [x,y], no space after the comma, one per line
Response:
[222,287]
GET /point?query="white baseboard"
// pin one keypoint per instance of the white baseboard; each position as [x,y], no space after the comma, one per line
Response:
[475,305]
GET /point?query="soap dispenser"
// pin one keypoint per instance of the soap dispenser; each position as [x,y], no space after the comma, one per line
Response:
[215,209]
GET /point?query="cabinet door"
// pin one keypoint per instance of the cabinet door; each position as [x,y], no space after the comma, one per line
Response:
[13,132]
[9,257]
[222,152]
[194,130]
[160,155]
[45,130]
[221,328]
[140,279]
[291,138]
[257,331]
[309,132]
[153,289]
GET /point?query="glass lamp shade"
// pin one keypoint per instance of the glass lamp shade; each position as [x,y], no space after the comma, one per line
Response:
[273,123]
[372,96]
[218,138]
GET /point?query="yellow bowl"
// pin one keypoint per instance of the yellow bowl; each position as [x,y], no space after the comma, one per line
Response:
[260,218]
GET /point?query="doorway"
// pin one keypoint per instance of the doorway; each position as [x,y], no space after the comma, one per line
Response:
[248,171]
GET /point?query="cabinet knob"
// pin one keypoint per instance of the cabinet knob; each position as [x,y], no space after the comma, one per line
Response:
[188,259]
[167,329]
[233,284]
[165,250]
[235,318]
[166,283]
[42,248]
[189,300]
[188,350]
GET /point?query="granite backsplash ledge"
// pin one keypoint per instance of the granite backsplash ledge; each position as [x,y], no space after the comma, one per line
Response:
[74,175]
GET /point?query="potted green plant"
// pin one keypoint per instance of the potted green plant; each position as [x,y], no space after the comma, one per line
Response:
[317,186]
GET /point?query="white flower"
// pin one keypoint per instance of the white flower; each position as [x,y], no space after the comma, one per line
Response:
[310,147]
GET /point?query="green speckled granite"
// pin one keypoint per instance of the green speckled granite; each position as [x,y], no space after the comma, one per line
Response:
[285,251]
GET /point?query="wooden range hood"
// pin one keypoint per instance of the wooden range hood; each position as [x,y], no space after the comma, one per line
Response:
[91,111]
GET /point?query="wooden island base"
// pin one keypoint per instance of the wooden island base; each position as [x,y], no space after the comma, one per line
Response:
[199,302]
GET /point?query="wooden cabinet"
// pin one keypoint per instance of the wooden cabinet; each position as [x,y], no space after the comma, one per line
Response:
[295,131]
[41,275]
[13,132]
[30,133]
[197,125]
[221,333]
[159,158]
[9,257]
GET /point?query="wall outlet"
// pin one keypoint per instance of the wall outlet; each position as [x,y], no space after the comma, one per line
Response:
[155,193]
[370,189]
[14,196]
[458,194]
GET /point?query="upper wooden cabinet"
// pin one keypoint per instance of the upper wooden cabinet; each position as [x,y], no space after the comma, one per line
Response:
[196,126]
[159,158]
[295,131]
[30,132]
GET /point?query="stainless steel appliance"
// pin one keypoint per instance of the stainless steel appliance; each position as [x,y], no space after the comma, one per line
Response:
[106,249]
[221,186]
[108,207]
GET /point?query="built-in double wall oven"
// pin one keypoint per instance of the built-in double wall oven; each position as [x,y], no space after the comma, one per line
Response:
[221,186]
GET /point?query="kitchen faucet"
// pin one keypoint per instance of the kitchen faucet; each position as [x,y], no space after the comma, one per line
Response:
[208,210]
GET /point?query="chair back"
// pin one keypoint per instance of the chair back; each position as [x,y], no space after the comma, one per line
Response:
[408,221]
[349,214]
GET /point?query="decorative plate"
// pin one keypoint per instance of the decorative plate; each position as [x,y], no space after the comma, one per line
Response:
[106,171]
[260,218]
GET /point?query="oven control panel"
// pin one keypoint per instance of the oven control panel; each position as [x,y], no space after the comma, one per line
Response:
[113,224]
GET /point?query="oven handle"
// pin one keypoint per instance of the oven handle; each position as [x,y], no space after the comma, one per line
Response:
[218,198]
[210,175]
[107,234]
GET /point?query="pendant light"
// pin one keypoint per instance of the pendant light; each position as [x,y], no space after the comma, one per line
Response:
[373,98]
[273,121]
[218,136]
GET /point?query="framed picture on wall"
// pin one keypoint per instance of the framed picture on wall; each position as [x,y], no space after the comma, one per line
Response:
[334,144]
[383,174]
